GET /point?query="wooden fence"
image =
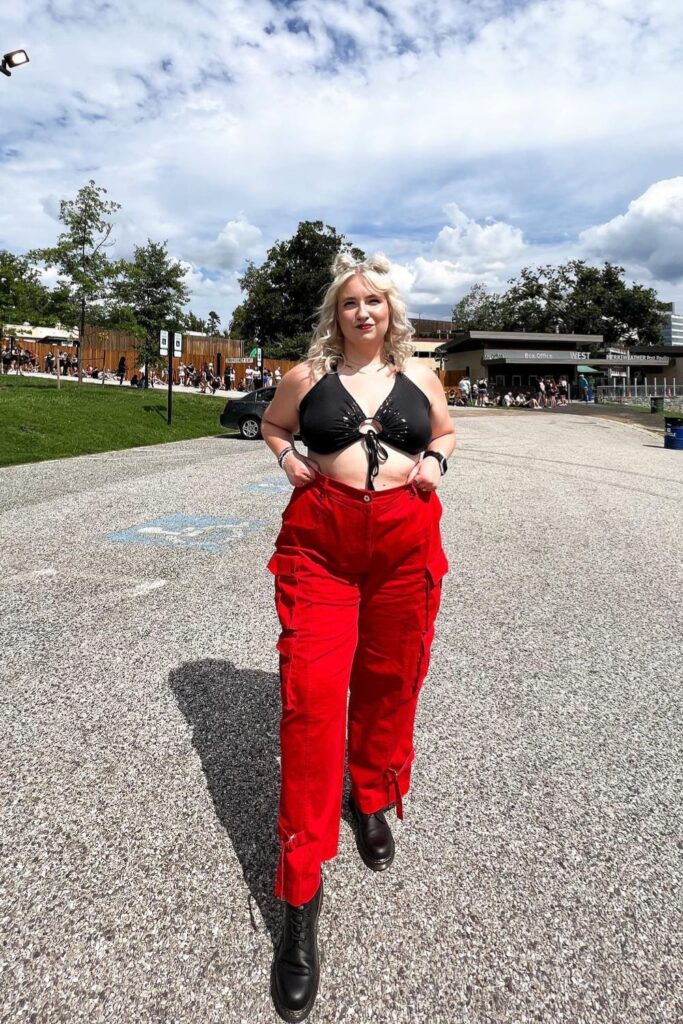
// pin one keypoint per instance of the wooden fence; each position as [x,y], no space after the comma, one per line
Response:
[102,348]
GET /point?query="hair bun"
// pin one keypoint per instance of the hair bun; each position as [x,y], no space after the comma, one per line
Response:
[379,263]
[344,261]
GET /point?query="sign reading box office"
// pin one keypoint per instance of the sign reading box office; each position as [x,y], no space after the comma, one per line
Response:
[513,355]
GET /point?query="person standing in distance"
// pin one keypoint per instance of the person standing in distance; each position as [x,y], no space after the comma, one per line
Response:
[358,571]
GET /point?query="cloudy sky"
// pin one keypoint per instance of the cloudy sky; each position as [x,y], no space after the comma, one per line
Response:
[463,139]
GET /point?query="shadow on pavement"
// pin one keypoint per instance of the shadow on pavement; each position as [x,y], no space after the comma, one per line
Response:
[234,716]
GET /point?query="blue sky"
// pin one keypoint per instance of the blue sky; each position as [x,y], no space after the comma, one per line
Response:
[465,140]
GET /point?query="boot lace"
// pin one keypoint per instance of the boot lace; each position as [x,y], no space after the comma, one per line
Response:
[299,923]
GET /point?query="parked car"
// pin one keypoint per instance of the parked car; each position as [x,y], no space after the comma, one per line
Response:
[244,414]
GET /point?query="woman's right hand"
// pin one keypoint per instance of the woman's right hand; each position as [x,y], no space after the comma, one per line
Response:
[300,470]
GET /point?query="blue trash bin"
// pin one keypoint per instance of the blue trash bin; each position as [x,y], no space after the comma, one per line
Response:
[673,433]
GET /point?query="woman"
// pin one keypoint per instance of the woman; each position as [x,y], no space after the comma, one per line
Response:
[358,568]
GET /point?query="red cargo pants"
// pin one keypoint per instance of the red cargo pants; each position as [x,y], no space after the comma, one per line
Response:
[357,588]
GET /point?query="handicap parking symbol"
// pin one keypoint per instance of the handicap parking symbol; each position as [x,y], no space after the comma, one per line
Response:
[208,533]
[269,485]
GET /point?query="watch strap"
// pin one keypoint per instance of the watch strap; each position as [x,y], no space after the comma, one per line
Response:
[441,459]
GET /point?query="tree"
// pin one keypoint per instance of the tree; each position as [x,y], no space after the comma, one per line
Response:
[152,286]
[22,295]
[192,322]
[571,298]
[598,301]
[213,323]
[283,294]
[59,307]
[478,310]
[80,255]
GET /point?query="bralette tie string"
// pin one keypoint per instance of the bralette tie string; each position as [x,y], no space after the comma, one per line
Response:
[376,453]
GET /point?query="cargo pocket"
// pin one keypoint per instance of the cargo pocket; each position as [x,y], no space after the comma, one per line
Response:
[284,568]
[436,569]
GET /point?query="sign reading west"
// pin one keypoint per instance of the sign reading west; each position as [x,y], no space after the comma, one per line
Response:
[515,355]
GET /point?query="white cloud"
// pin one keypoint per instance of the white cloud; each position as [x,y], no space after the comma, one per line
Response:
[236,242]
[648,237]
[476,247]
[211,292]
[211,123]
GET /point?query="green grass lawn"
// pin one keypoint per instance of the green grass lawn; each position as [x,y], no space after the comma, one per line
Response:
[38,421]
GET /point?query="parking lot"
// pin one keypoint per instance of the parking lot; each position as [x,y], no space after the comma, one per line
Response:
[537,873]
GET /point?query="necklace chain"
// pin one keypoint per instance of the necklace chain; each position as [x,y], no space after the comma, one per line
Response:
[366,369]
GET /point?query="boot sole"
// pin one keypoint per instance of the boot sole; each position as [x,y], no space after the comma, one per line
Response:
[293,1016]
[370,862]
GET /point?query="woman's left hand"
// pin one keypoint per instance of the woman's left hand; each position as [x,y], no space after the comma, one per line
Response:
[425,474]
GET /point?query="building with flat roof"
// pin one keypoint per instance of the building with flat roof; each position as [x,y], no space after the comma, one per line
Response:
[25,334]
[517,359]
[672,328]
[426,327]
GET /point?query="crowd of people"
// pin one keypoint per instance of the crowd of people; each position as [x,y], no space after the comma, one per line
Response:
[206,379]
[547,393]
[18,360]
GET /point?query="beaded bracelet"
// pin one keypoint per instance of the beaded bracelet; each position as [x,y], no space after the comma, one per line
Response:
[284,453]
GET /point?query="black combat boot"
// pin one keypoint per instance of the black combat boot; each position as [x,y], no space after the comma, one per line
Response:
[296,967]
[373,838]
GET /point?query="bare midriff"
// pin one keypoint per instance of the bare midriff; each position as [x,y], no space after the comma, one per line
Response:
[350,465]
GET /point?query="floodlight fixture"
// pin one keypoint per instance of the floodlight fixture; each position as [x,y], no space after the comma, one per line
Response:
[14,59]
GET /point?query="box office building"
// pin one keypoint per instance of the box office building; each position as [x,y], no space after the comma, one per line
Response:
[517,360]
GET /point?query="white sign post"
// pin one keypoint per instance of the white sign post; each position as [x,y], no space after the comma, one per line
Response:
[177,345]
[163,343]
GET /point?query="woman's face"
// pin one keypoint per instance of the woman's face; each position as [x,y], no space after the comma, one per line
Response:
[362,313]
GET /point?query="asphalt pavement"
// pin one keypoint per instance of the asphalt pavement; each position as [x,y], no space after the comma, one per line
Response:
[537,873]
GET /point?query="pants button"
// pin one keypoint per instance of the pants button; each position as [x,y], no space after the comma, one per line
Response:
[366,497]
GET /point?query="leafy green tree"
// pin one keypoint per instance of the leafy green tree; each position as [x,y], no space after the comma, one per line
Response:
[283,294]
[22,295]
[152,286]
[597,300]
[213,323]
[80,253]
[192,322]
[574,297]
[59,307]
[478,310]
[116,316]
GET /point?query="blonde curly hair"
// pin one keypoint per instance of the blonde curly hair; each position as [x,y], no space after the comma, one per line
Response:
[327,346]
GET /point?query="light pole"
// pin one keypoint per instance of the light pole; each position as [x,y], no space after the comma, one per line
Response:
[13,59]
